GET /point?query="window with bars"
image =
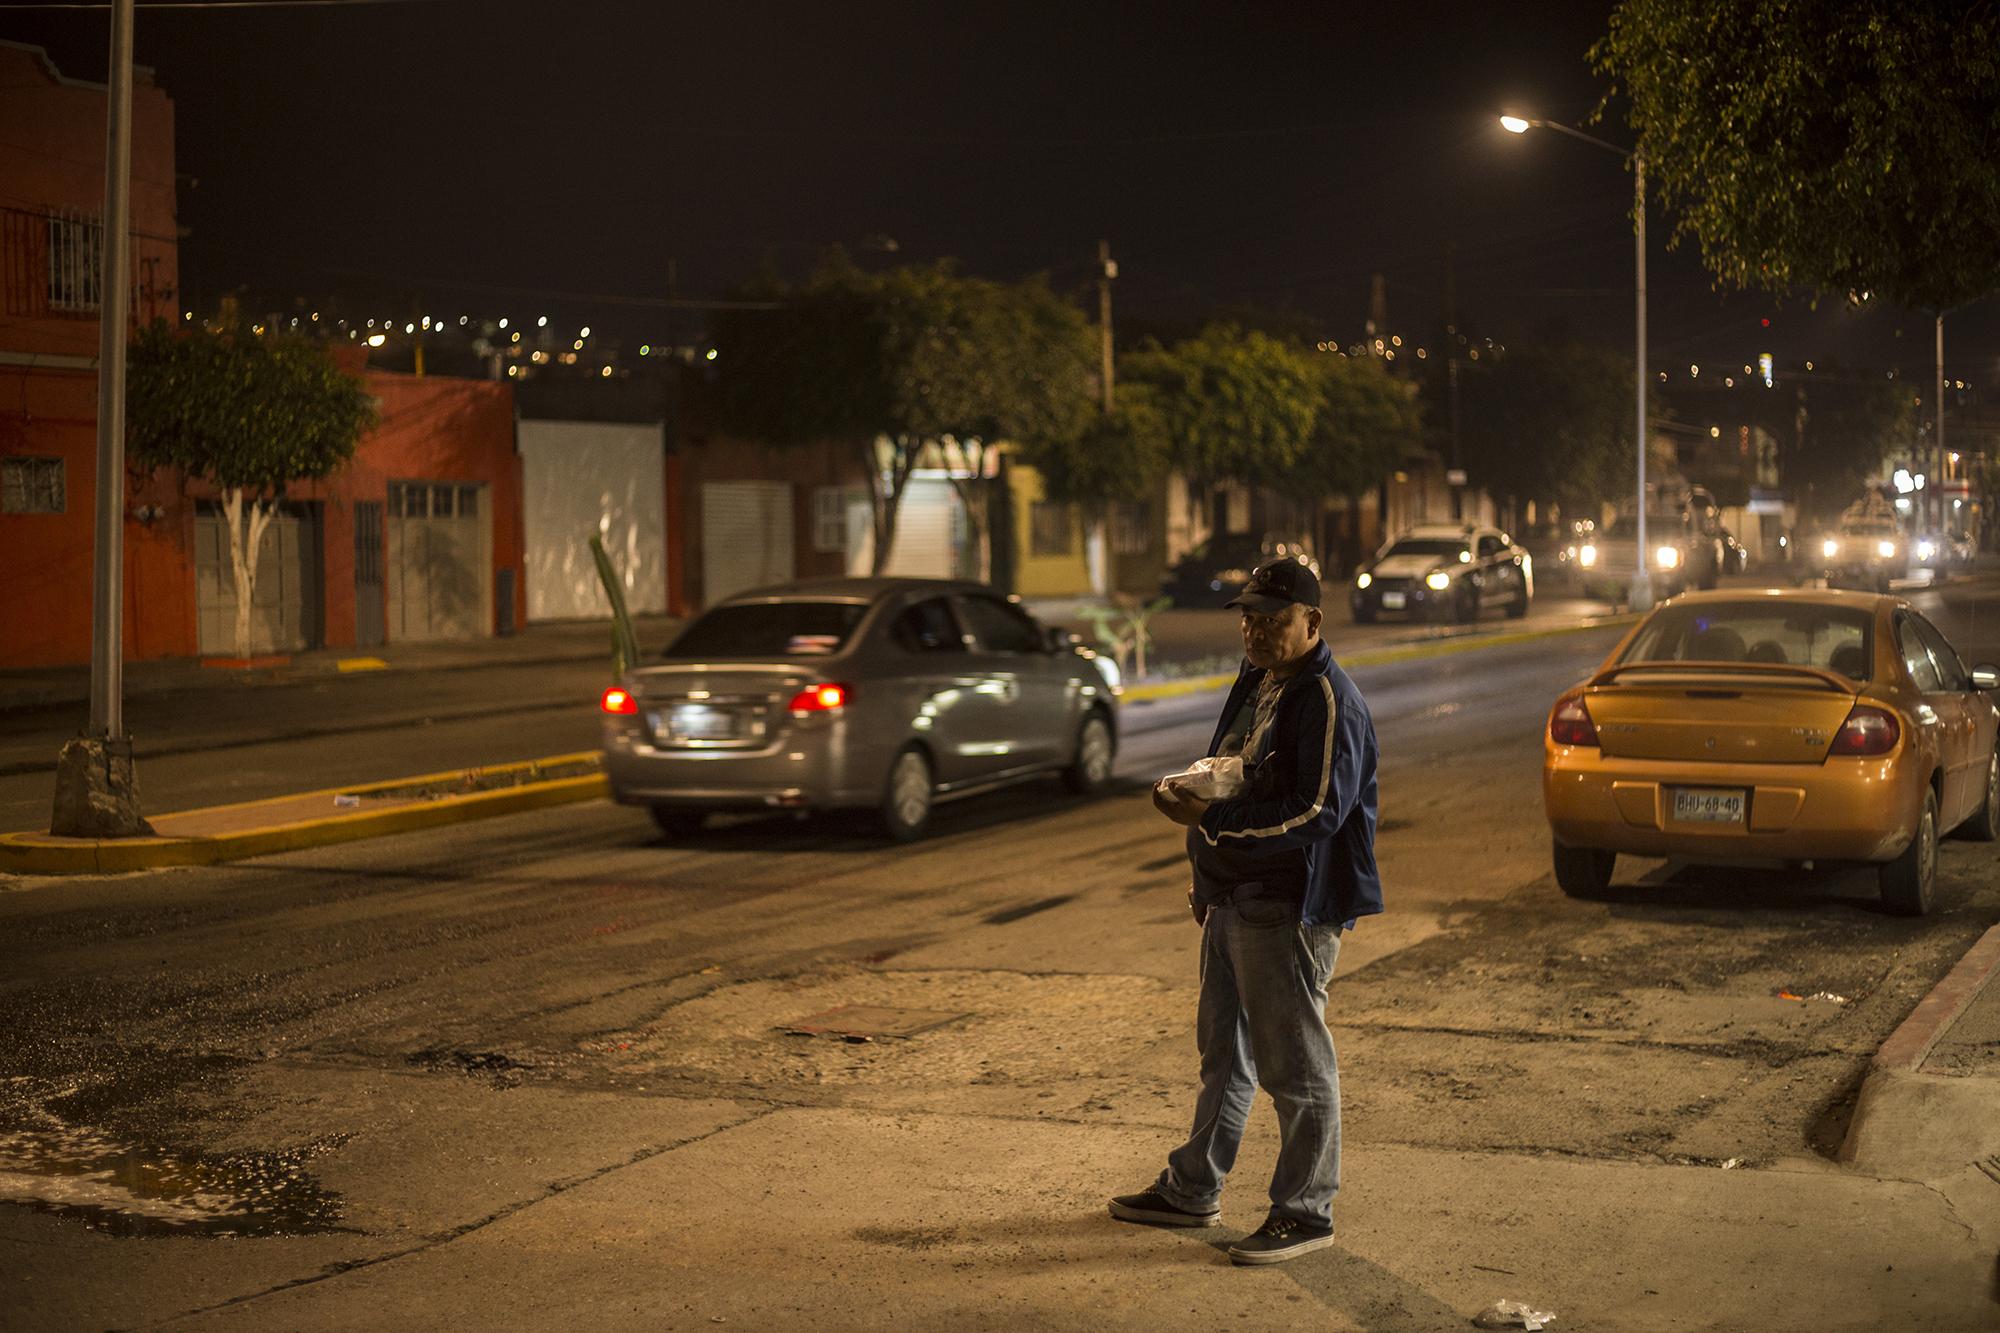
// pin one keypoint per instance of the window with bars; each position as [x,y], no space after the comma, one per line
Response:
[31,486]
[830,506]
[1131,528]
[1050,531]
[76,262]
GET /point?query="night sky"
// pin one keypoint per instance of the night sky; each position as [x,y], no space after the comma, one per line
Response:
[490,155]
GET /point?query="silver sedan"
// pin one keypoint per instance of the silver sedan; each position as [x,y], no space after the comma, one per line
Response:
[879,694]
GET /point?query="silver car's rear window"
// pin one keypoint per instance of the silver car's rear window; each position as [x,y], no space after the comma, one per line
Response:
[769,630]
[1833,638]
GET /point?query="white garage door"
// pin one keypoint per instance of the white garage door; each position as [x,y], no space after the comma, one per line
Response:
[582,478]
[282,609]
[746,536]
[930,528]
[440,561]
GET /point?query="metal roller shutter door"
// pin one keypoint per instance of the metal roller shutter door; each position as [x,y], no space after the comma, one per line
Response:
[746,536]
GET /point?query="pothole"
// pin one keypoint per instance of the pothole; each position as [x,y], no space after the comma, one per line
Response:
[128,1189]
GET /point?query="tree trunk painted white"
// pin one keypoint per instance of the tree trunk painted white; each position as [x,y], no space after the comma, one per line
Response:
[243,555]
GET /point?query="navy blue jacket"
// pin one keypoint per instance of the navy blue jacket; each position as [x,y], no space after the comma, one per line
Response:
[1315,793]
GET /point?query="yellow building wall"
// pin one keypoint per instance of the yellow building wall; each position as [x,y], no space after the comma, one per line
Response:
[1065,575]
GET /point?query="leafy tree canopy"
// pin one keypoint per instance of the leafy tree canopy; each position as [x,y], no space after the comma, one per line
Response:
[1233,404]
[240,411]
[1365,424]
[1549,423]
[1831,146]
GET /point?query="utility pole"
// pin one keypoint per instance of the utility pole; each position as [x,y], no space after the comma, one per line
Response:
[1456,474]
[1095,555]
[1943,458]
[97,790]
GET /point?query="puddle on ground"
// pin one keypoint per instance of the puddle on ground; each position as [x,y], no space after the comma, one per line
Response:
[128,1190]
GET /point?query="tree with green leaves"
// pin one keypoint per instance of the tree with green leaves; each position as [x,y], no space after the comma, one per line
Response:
[906,364]
[1825,146]
[249,415]
[1231,404]
[1366,424]
[1549,423]
[1848,424]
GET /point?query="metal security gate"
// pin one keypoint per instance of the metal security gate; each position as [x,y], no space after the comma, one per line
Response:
[930,531]
[368,593]
[284,608]
[440,566]
[746,536]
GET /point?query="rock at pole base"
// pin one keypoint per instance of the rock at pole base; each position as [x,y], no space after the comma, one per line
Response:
[97,791]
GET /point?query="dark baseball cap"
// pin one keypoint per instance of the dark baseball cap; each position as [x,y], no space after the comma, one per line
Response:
[1275,586]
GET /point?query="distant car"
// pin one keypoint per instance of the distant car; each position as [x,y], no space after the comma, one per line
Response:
[887,695]
[1866,552]
[1677,558]
[1781,726]
[1216,570]
[1442,571]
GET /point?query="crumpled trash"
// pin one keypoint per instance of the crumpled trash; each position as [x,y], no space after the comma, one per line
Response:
[1513,1314]
[343,800]
[1826,995]
[1212,779]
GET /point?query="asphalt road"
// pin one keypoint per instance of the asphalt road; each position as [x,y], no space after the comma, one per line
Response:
[372,1054]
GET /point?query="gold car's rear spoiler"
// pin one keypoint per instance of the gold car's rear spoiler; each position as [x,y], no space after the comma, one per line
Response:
[1832,680]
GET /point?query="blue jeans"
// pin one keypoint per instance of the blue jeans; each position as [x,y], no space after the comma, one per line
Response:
[1262,1020]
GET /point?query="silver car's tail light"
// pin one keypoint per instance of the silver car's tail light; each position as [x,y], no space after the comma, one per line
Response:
[825,698]
[618,699]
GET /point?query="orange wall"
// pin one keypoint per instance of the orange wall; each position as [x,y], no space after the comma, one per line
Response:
[431,429]
[51,159]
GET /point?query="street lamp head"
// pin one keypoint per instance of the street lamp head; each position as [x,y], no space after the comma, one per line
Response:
[1515,125]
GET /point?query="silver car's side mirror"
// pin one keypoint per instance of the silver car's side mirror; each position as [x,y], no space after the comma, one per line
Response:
[1986,678]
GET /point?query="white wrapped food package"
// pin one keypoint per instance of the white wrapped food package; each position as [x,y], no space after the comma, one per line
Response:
[1211,779]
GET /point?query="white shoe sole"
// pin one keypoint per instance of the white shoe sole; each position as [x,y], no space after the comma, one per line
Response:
[1278,1256]
[1128,1214]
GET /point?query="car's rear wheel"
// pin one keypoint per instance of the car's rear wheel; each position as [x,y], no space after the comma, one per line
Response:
[1984,826]
[1909,882]
[1583,872]
[677,821]
[907,799]
[1091,768]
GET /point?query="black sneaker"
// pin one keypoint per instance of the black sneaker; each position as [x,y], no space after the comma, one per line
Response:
[1149,1206]
[1279,1239]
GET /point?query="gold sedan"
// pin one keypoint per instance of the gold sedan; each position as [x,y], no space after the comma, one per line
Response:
[1776,727]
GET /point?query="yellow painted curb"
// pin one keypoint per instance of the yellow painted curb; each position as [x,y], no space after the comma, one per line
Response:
[1408,652]
[40,854]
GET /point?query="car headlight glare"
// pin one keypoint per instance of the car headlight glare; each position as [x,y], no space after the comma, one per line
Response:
[1886,550]
[1925,550]
[1363,579]
[1437,580]
[1829,548]
[1667,557]
[1587,556]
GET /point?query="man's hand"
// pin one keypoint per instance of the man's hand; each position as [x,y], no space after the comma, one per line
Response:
[1177,805]
[1200,912]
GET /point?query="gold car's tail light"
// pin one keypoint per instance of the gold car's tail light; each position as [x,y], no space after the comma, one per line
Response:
[1868,730]
[1570,724]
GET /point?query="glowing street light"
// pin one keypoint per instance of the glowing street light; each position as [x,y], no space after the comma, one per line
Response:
[1642,578]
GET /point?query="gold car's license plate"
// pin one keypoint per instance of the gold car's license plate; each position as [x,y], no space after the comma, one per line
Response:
[1709,805]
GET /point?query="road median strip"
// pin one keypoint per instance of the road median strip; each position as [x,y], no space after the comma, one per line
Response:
[315,819]
[1407,651]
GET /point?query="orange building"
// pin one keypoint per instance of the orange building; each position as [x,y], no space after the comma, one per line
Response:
[420,537]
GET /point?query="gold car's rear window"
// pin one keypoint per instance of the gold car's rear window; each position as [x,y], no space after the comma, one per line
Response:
[1832,638]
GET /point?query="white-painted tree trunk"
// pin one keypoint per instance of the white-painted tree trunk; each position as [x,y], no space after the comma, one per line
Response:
[243,554]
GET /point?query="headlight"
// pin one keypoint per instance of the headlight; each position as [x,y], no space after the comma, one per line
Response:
[1886,550]
[1363,579]
[1925,550]
[1109,670]
[1437,580]
[1587,556]
[1829,548]
[1667,557]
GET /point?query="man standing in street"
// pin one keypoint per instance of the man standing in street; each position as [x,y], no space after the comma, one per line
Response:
[1279,871]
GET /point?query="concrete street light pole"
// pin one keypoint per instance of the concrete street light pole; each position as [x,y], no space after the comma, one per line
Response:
[1641,595]
[97,790]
